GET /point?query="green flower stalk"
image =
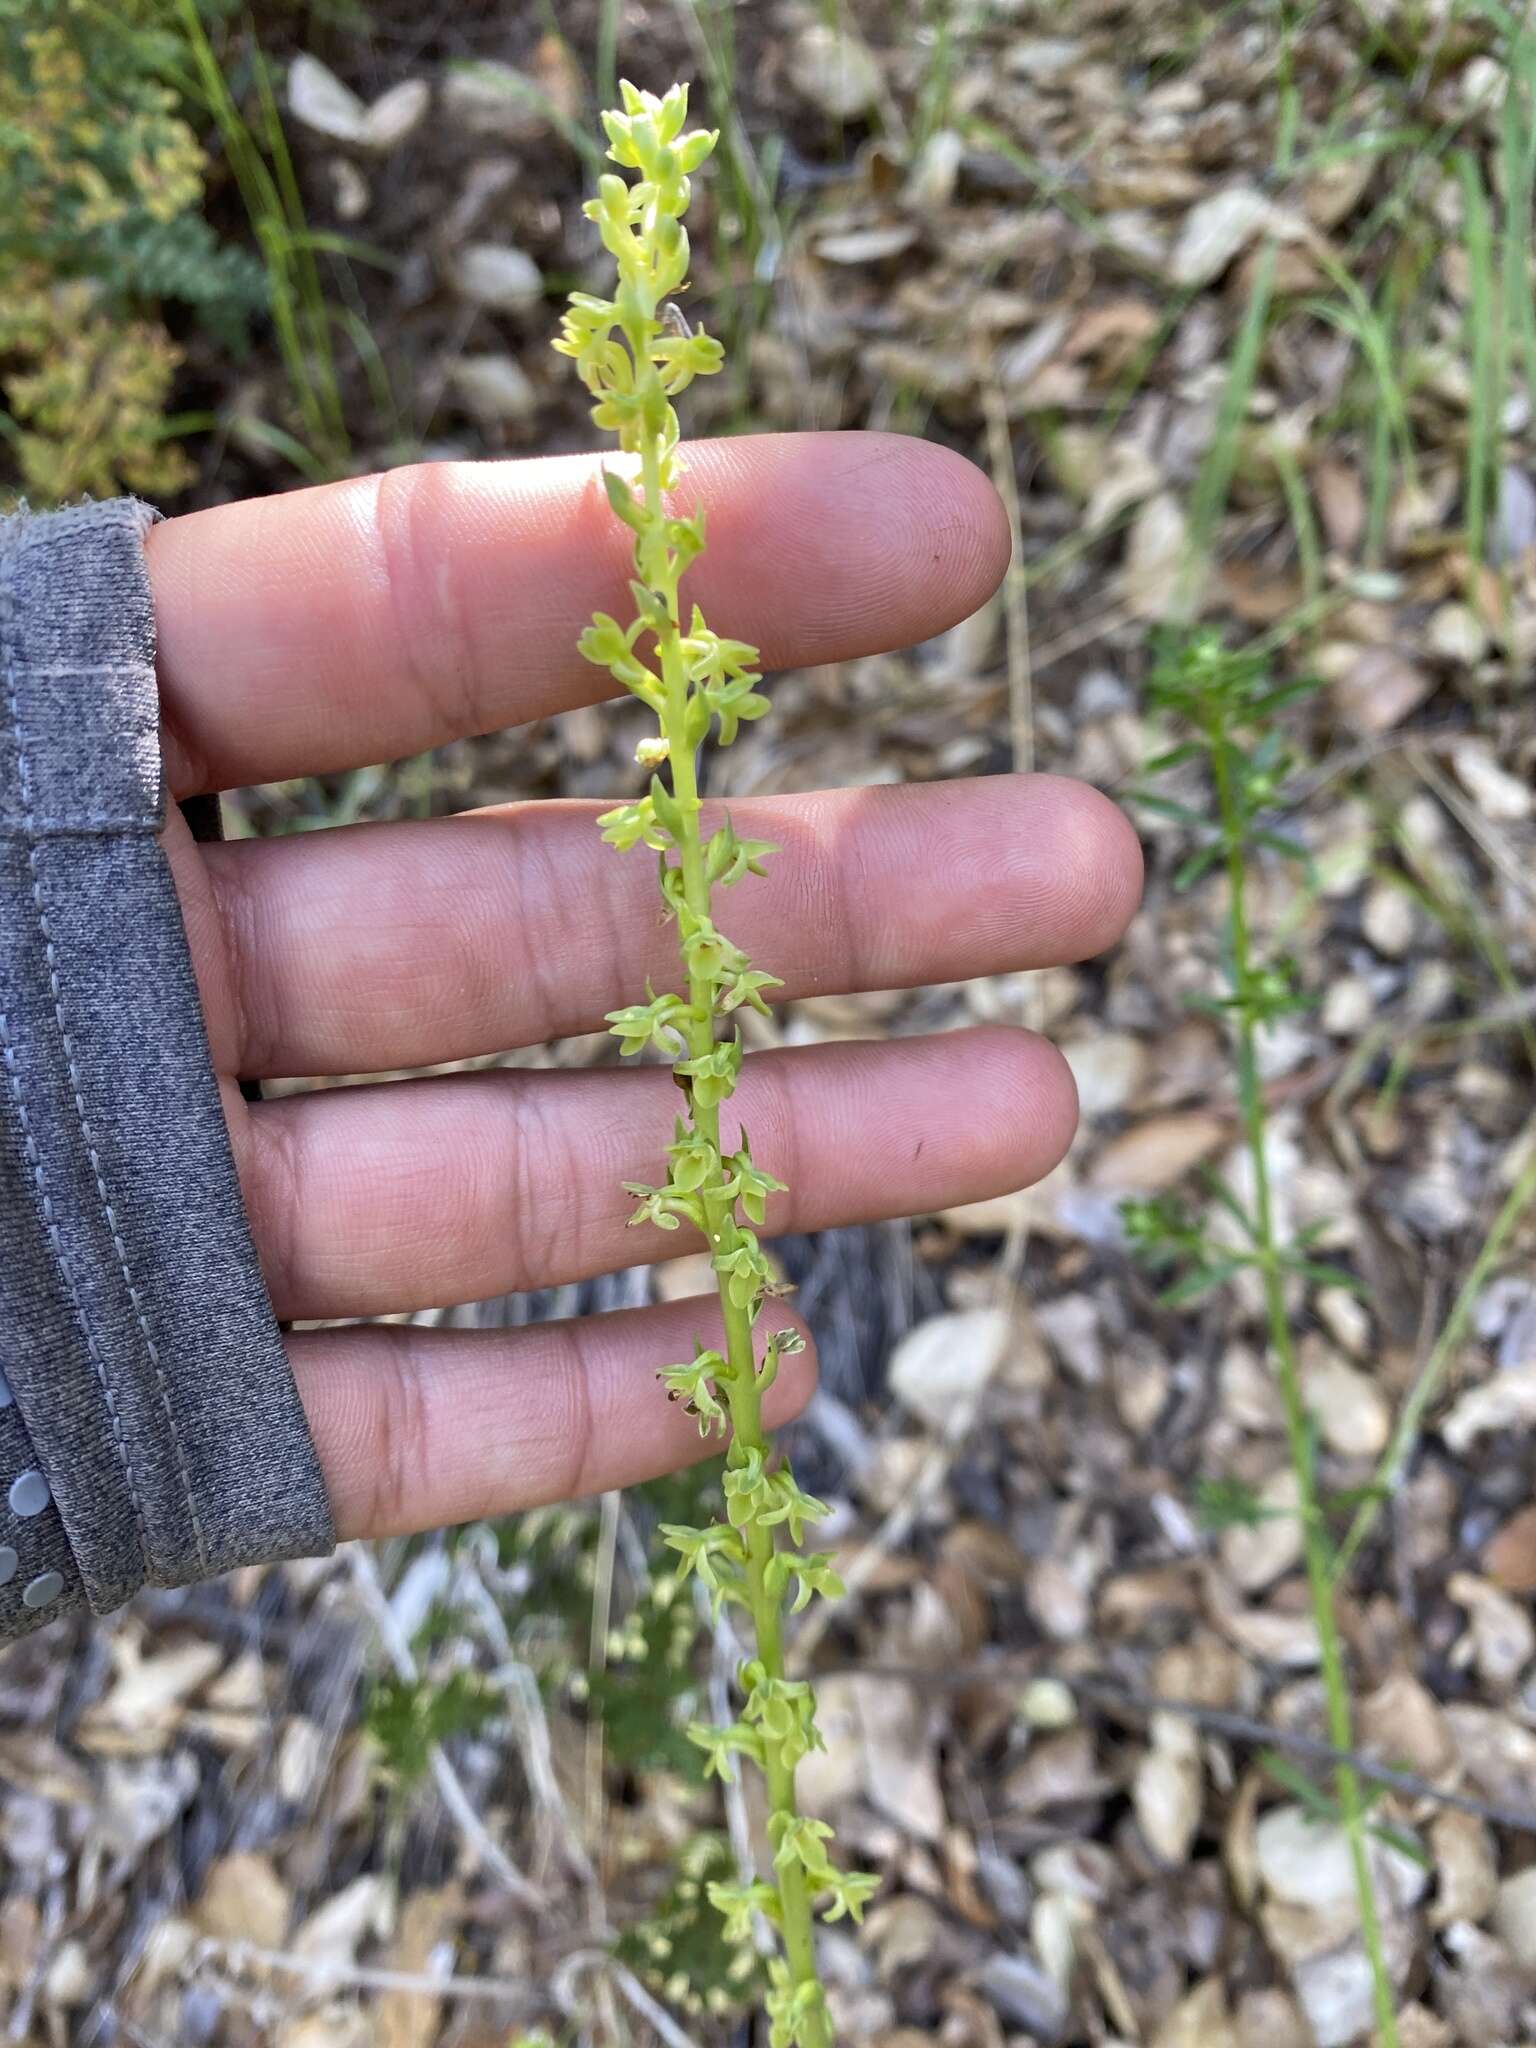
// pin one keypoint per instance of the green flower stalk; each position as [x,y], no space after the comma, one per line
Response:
[635,353]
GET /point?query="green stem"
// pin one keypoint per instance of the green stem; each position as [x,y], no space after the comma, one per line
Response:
[743,1394]
[1315,1540]
[691,681]
[1395,1458]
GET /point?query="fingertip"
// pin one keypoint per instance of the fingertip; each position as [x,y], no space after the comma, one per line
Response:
[1033,1098]
[1098,854]
[939,523]
[860,541]
[977,531]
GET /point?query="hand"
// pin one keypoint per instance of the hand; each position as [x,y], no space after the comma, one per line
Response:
[367,620]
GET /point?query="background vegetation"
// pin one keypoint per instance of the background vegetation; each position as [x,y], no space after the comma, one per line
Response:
[1185,1502]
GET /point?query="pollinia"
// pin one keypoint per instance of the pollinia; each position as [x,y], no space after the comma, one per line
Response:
[636,353]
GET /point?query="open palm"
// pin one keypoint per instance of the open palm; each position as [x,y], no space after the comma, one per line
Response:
[370,619]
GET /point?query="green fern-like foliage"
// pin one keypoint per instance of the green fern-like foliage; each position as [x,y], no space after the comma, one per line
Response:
[86,391]
[648,1684]
[406,1717]
[680,1948]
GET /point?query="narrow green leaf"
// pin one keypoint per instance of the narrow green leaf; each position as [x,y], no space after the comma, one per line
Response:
[1320,1804]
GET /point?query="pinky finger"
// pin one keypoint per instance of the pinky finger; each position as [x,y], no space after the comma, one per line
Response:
[418,1428]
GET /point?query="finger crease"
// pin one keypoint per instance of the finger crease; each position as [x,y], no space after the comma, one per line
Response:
[429,628]
[402,1468]
[577,1369]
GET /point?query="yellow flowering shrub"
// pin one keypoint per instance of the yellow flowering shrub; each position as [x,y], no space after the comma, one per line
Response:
[87,397]
[101,186]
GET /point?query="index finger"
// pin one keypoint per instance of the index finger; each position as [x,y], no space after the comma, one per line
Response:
[360,621]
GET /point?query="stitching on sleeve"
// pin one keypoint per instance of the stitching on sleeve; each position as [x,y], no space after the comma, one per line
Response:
[88,823]
[50,1221]
[24,778]
[129,671]
[109,1214]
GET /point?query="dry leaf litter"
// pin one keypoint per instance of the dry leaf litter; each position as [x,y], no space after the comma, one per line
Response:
[1050,1694]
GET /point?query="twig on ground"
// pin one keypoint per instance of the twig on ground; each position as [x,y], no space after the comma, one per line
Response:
[521,1689]
[493,1859]
[1021,707]
[725,1656]
[1491,842]
[1346,761]
[242,1958]
[1101,1691]
[593,1794]
[629,1987]
[1311,1748]
[1395,1458]
[1074,641]
[53,1930]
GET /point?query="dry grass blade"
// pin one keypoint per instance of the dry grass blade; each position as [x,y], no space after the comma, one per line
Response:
[493,1859]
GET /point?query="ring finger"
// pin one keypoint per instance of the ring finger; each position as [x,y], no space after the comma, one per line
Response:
[415,1194]
[377,947]
[419,1428]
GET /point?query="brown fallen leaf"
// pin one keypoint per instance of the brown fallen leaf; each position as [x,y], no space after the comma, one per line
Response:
[1061,1770]
[1510,1556]
[1156,570]
[1153,1156]
[34,1762]
[144,1704]
[342,2027]
[1168,1793]
[410,2019]
[1199,2021]
[836,71]
[945,1363]
[1466,1868]
[1215,231]
[333,1932]
[1340,503]
[244,1899]
[1377,689]
[901,1775]
[20,1940]
[1402,1722]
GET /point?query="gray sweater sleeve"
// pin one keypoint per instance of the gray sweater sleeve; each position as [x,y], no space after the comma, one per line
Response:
[150,1431]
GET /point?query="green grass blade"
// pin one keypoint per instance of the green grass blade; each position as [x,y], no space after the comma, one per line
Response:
[1486,354]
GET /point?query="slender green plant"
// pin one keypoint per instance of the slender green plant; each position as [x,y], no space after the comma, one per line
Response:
[1487,351]
[1394,1459]
[636,353]
[301,319]
[1223,703]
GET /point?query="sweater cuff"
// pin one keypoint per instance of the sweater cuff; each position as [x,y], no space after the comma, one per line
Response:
[150,1430]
